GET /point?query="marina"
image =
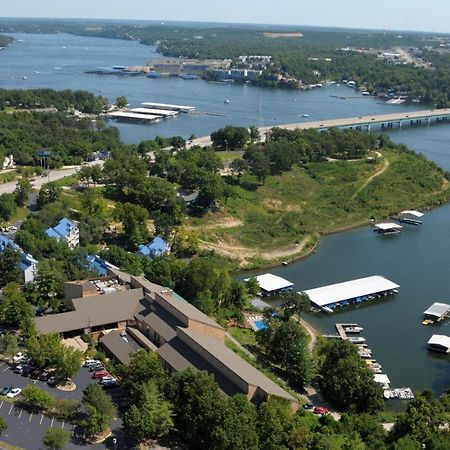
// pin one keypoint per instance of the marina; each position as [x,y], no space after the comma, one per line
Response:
[169,107]
[365,353]
[272,284]
[328,298]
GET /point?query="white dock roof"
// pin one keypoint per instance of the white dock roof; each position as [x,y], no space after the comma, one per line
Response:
[156,112]
[339,292]
[130,115]
[381,378]
[168,106]
[437,309]
[388,226]
[441,340]
[270,283]
[412,213]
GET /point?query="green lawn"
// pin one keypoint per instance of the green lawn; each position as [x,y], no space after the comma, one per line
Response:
[327,196]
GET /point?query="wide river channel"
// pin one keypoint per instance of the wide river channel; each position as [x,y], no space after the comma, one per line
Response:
[418,259]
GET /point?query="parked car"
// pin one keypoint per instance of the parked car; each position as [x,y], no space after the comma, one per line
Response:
[52,381]
[107,378]
[35,374]
[91,362]
[18,357]
[308,406]
[27,370]
[14,392]
[321,410]
[18,369]
[100,374]
[96,367]
[109,384]
[6,390]
[44,376]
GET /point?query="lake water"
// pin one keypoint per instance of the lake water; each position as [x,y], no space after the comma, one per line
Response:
[418,259]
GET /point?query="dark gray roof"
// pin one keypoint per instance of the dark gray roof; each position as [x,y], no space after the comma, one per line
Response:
[141,339]
[179,356]
[185,308]
[148,286]
[160,326]
[95,311]
[120,345]
[235,363]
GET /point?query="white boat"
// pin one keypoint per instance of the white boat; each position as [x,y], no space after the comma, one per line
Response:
[356,340]
[353,329]
[24,78]
[226,101]
[305,115]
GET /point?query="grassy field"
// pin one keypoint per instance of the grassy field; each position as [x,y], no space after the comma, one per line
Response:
[285,216]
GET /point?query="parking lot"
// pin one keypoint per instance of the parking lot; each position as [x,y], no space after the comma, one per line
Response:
[26,430]
[9,378]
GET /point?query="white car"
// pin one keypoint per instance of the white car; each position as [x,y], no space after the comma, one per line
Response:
[18,357]
[14,393]
[107,379]
[91,362]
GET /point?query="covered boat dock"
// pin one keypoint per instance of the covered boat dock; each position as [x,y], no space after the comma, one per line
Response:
[273,284]
[328,298]
[410,217]
[387,228]
[165,106]
[439,343]
[436,312]
[131,116]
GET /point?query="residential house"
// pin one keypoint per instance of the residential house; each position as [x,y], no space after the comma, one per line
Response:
[65,231]
[155,248]
[28,265]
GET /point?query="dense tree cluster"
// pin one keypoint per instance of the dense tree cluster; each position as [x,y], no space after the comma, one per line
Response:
[63,101]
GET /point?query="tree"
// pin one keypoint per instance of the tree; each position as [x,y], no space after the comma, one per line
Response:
[95,422]
[407,443]
[252,286]
[134,219]
[237,430]
[56,438]
[14,305]
[49,279]
[151,416]
[3,425]
[69,362]
[95,396]
[9,266]
[67,408]
[345,379]
[198,407]
[9,345]
[22,191]
[274,424]
[8,206]
[255,135]
[294,303]
[121,101]
[36,399]
[230,138]
[286,344]
[178,142]
[258,162]
[49,193]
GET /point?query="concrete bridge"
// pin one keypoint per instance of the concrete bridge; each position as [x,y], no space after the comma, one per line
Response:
[387,121]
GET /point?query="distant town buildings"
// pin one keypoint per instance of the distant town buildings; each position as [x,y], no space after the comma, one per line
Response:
[65,231]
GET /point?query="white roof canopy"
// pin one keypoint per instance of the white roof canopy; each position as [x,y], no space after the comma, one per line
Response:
[381,378]
[441,340]
[437,309]
[131,115]
[412,213]
[348,290]
[270,283]
[388,226]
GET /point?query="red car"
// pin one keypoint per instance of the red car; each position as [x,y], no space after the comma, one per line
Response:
[100,374]
[321,410]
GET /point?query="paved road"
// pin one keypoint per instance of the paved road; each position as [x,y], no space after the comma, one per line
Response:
[344,122]
[54,175]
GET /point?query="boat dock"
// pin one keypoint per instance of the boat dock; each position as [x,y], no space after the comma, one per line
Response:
[409,217]
[436,313]
[133,117]
[350,332]
[169,107]
[328,298]
[387,228]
